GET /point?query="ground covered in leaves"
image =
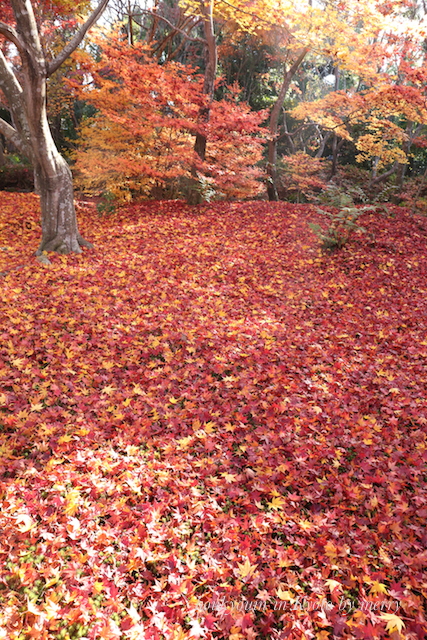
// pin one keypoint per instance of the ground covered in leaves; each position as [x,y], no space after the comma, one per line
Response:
[210,429]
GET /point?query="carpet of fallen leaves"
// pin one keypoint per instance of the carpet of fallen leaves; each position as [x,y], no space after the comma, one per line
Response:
[210,429]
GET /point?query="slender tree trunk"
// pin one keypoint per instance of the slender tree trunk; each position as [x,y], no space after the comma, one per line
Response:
[411,132]
[194,195]
[334,167]
[210,75]
[274,125]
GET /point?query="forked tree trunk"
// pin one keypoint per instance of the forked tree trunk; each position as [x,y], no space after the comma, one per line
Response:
[26,97]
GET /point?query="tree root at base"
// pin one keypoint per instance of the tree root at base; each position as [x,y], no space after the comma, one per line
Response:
[63,245]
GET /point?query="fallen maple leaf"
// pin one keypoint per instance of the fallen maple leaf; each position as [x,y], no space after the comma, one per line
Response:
[246,569]
[394,623]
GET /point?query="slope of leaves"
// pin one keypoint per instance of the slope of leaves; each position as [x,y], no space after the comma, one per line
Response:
[211,430]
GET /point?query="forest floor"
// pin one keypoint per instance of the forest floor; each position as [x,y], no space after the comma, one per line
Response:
[211,429]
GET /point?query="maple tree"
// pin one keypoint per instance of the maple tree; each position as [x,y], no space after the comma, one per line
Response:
[211,429]
[23,86]
[383,114]
[148,123]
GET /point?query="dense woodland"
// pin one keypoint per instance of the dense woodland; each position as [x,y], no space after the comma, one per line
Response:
[213,382]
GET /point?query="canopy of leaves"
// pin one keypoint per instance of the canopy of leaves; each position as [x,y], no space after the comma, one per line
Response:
[211,430]
[143,134]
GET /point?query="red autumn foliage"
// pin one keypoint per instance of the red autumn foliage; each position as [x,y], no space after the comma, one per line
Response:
[210,429]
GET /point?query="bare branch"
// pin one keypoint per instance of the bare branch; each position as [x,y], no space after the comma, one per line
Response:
[12,35]
[77,39]
[172,26]
[9,83]
[12,134]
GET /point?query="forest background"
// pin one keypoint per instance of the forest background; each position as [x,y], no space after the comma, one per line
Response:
[212,100]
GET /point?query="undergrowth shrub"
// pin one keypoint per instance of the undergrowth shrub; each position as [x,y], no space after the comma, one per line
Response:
[342,220]
[16,178]
[107,203]
[301,178]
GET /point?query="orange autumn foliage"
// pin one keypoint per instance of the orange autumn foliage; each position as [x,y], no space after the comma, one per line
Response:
[141,139]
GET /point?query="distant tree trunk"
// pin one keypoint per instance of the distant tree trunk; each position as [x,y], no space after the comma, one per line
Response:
[194,195]
[411,133]
[26,96]
[324,140]
[274,125]
[335,144]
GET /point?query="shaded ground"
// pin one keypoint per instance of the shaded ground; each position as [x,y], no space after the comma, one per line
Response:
[211,429]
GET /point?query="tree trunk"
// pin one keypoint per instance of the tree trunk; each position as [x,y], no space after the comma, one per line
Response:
[59,224]
[194,195]
[274,124]
[26,97]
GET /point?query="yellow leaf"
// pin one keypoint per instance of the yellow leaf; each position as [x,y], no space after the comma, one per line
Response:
[277,502]
[24,522]
[247,569]
[330,550]
[51,608]
[229,477]
[394,623]
[51,582]
[98,586]
[71,502]
[284,594]
[137,390]
[378,587]
[66,438]
[36,407]
[184,442]
[333,584]
[109,389]
[3,398]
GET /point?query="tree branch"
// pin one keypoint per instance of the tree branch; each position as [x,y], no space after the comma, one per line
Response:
[8,82]
[384,176]
[12,35]
[172,26]
[77,39]
[12,134]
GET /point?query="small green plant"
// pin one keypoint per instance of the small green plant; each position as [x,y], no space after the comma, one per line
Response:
[107,204]
[342,223]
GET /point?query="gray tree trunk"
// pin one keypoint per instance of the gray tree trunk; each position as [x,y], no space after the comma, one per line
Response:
[194,195]
[30,132]
[274,125]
